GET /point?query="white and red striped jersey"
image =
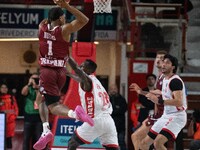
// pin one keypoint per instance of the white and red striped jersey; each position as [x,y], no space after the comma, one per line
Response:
[167,95]
[96,102]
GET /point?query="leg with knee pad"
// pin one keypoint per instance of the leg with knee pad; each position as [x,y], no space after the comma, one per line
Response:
[74,142]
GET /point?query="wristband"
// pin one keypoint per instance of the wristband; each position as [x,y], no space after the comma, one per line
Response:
[160,101]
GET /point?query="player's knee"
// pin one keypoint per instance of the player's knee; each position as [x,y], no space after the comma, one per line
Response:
[53,108]
[157,144]
[137,135]
[144,143]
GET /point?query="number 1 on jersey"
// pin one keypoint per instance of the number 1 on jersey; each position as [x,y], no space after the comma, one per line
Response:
[50,52]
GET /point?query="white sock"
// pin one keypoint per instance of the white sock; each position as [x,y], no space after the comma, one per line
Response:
[71,114]
[45,127]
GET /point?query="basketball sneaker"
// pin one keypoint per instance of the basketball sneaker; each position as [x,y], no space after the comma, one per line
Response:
[43,140]
[82,116]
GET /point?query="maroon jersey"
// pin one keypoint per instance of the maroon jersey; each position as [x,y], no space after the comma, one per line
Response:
[53,48]
[153,118]
[159,87]
[159,82]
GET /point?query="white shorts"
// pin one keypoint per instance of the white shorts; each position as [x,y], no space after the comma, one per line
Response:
[172,123]
[104,129]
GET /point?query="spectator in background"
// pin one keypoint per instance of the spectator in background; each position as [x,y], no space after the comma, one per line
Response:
[194,130]
[146,105]
[9,106]
[32,121]
[119,109]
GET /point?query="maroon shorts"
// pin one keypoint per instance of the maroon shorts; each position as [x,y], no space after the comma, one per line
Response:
[52,80]
[152,119]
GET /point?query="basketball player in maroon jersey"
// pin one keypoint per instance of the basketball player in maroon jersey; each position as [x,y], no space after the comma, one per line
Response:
[54,37]
[142,131]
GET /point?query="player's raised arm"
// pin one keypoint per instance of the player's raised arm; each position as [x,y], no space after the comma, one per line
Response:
[80,21]
[44,21]
[85,80]
[73,76]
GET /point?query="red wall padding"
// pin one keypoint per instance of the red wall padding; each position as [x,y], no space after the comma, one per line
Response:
[80,52]
[140,79]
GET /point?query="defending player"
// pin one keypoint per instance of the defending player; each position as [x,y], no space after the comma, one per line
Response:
[96,103]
